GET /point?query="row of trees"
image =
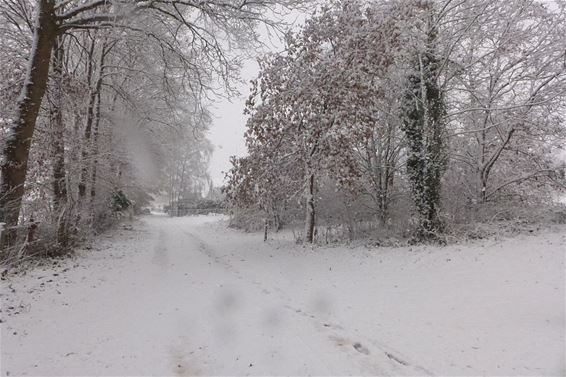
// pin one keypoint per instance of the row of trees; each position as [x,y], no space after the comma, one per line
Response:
[459,103]
[97,95]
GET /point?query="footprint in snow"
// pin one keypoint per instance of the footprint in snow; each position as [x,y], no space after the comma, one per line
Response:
[346,342]
[360,348]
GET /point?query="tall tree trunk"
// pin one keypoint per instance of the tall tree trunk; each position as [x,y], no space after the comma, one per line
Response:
[310,212]
[17,147]
[91,131]
[58,131]
[88,127]
[58,142]
[424,127]
[95,152]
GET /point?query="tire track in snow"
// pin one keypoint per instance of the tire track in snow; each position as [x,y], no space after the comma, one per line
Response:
[395,359]
[160,253]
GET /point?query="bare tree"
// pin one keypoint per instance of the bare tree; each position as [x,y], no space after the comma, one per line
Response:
[205,24]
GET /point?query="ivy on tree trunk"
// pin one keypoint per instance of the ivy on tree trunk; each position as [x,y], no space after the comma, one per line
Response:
[424,126]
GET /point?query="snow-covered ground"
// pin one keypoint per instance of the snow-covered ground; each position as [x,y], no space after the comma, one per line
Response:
[187,296]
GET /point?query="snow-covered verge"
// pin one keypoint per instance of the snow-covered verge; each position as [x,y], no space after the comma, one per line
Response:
[187,296]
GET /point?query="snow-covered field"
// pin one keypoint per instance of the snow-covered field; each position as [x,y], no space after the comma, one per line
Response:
[186,296]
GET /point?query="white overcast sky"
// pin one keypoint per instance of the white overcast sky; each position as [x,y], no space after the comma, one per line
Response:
[228,127]
[228,123]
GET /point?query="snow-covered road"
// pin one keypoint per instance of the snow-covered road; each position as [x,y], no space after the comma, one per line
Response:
[186,296]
